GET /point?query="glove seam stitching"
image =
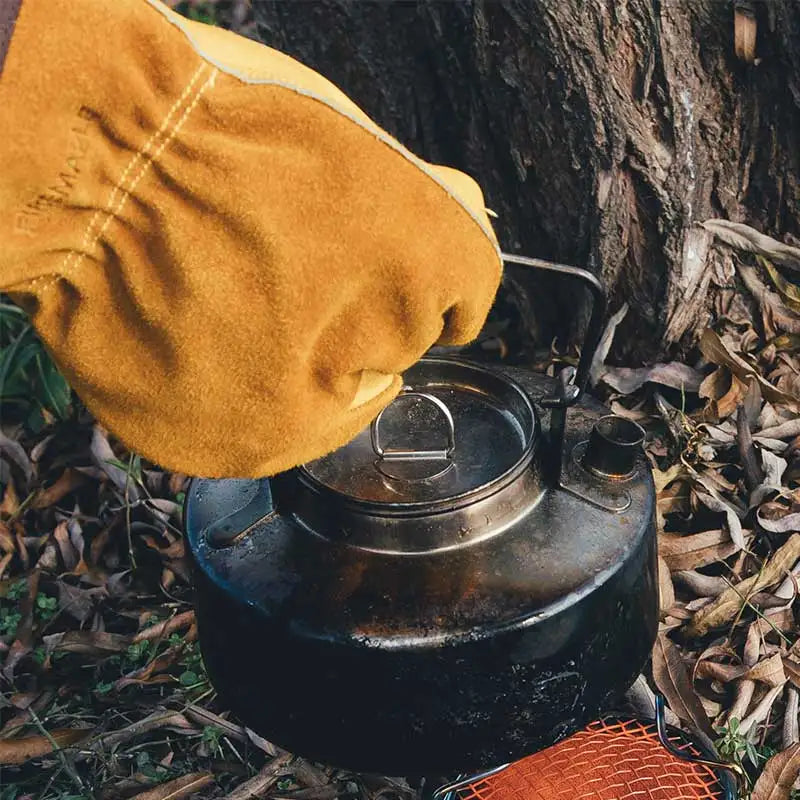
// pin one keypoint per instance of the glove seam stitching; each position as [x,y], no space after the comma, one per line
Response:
[75,257]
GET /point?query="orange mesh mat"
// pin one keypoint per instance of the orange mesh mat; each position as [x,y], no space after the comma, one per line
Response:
[608,760]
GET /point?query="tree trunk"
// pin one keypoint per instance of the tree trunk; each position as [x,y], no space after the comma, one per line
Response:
[602,132]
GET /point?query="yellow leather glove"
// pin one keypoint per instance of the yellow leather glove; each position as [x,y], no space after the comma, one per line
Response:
[229,261]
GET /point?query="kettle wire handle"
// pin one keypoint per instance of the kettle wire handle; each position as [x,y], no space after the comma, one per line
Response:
[572,382]
[595,328]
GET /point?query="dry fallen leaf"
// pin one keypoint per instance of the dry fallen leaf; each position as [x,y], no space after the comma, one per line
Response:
[104,458]
[761,711]
[715,351]
[205,717]
[69,555]
[705,586]
[790,294]
[261,743]
[792,670]
[676,375]
[598,366]
[784,430]
[7,542]
[10,504]
[790,522]
[17,751]
[741,701]
[176,789]
[745,237]
[728,604]
[76,601]
[774,312]
[96,643]
[714,502]
[697,549]
[162,630]
[666,591]
[725,673]
[17,454]
[158,720]
[673,681]
[23,636]
[773,467]
[149,673]
[791,728]
[779,775]
[69,480]
[258,785]
[724,391]
[781,619]
[769,671]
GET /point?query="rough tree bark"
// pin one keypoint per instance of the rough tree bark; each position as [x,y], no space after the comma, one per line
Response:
[602,131]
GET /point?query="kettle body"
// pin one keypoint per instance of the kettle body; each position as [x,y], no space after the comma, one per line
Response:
[431,633]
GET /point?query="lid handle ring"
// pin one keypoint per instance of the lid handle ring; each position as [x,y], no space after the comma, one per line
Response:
[398,454]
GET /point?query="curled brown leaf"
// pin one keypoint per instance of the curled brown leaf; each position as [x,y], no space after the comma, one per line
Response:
[69,480]
[791,729]
[762,709]
[701,585]
[666,592]
[784,430]
[162,630]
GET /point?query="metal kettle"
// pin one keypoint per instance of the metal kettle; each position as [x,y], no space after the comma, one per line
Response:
[469,580]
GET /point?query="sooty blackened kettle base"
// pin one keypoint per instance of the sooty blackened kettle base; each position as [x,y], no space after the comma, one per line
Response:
[468,581]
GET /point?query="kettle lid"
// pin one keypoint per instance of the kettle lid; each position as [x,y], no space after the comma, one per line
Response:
[455,433]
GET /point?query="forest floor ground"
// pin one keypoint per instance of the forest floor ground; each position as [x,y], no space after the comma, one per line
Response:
[103,693]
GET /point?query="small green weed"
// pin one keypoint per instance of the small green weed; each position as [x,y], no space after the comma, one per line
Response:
[211,738]
[32,390]
[9,620]
[734,746]
[46,607]
[103,687]
[10,616]
[145,765]
[139,653]
[17,589]
[194,673]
